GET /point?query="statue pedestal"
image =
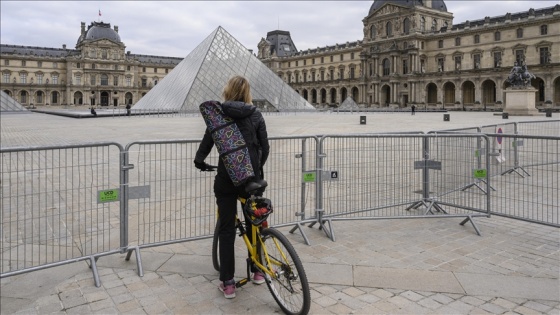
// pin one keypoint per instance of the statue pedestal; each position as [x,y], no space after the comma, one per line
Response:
[520,102]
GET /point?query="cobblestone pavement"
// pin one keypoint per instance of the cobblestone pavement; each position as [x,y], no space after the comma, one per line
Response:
[421,266]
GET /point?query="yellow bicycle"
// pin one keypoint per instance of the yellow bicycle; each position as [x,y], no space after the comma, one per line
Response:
[270,252]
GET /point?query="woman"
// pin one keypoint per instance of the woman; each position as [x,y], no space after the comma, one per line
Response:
[238,105]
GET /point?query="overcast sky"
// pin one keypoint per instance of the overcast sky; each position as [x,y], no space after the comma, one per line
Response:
[174,28]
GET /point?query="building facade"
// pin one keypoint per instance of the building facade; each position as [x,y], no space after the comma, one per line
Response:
[412,53]
[98,72]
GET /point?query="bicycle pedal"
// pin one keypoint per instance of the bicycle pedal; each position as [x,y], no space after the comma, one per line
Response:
[241,283]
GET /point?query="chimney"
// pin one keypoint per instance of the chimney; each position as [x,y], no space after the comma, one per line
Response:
[428,3]
[83,28]
[64,46]
[116,28]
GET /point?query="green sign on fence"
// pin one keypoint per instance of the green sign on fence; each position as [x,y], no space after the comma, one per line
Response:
[479,173]
[309,177]
[108,195]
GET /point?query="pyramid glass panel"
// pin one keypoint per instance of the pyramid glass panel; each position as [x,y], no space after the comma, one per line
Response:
[349,104]
[201,76]
[8,104]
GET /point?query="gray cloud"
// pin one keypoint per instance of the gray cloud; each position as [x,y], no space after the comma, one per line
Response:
[174,28]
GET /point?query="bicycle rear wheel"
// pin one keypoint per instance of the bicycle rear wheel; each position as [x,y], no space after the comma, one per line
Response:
[289,286]
[215,248]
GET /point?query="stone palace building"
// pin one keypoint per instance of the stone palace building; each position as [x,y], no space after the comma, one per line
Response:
[413,53]
[97,72]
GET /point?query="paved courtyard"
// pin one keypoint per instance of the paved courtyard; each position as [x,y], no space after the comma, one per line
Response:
[417,266]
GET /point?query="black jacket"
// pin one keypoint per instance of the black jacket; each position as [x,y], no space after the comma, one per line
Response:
[237,110]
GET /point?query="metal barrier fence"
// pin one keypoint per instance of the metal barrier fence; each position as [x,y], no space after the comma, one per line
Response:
[72,203]
[399,176]
[53,210]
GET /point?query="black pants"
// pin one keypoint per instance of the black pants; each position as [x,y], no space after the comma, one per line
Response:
[226,199]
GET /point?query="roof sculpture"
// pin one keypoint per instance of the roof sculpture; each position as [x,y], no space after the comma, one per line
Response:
[8,104]
[201,76]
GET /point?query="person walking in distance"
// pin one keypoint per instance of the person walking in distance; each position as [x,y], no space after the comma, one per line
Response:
[413,109]
[238,105]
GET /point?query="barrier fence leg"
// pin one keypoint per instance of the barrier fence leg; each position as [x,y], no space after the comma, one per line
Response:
[298,227]
[136,250]
[93,267]
[469,218]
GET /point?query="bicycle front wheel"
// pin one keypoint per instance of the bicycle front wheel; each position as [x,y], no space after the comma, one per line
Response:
[289,285]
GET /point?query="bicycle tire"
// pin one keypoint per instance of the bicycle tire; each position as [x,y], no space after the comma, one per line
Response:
[289,288]
[215,246]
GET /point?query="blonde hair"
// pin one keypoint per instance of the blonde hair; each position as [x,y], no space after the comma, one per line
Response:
[238,89]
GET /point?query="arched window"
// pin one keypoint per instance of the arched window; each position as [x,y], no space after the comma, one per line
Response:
[406,26]
[386,66]
[422,24]
[372,32]
[389,29]
[434,24]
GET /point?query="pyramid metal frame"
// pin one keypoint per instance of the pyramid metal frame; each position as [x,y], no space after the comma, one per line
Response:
[201,76]
[349,103]
[8,104]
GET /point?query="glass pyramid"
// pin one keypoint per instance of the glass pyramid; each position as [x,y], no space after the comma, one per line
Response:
[201,76]
[349,104]
[8,104]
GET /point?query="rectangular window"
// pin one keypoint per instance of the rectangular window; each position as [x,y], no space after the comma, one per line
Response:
[78,80]
[457,62]
[40,78]
[544,55]
[322,59]
[497,36]
[322,75]
[128,82]
[23,78]
[352,56]
[332,58]
[166,71]
[127,68]
[519,33]
[313,61]
[6,62]
[6,77]
[55,64]
[297,61]
[93,65]
[115,80]
[55,79]
[332,74]
[405,66]
[143,69]
[352,72]
[39,64]
[519,56]
[341,74]
[116,67]
[458,41]
[144,83]
[104,54]
[440,43]
[497,59]
[304,77]
[155,70]
[104,79]
[341,57]
[441,65]
[313,75]
[476,39]
[23,63]
[305,62]
[92,79]
[476,61]
[78,65]
[544,29]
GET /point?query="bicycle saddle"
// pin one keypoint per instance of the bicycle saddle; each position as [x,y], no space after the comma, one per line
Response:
[254,185]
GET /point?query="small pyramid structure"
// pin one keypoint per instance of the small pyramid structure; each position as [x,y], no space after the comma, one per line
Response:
[349,104]
[8,104]
[202,75]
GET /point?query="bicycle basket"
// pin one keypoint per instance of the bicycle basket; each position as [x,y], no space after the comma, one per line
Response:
[258,211]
